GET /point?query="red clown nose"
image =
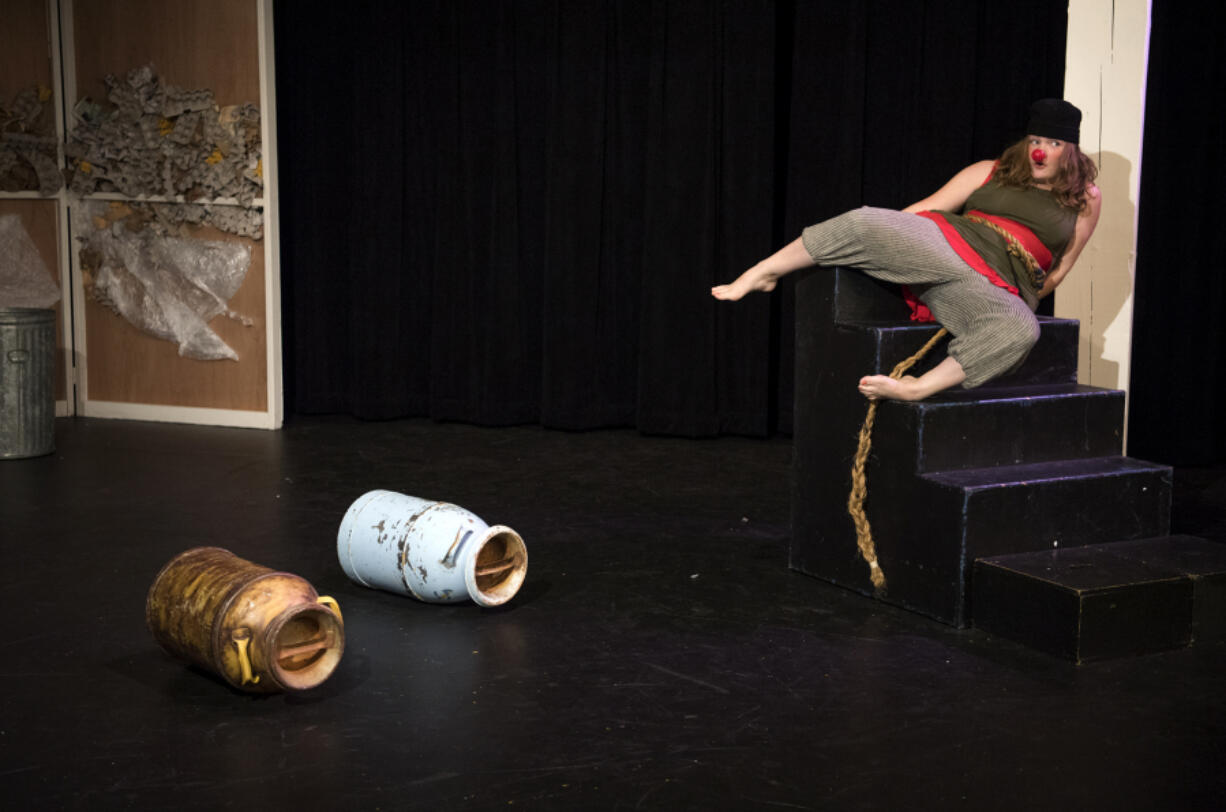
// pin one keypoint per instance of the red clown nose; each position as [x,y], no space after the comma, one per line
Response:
[1038,156]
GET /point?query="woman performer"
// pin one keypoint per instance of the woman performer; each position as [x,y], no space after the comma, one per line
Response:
[1020,224]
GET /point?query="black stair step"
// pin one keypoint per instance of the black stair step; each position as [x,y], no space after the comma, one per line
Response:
[1201,560]
[1020,508]
[1105,600]
[1053,360]
[1007,426]
[997,476]
[930,528]
[841,312]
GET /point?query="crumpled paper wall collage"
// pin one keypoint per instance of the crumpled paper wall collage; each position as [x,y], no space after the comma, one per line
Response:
[161,140]
[28,159]
[140,258]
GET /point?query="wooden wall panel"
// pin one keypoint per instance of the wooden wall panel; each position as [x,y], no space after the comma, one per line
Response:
[25,47]
[39,218]
[191,44]
[125,365]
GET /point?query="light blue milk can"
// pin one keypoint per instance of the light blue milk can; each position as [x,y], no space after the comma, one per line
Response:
[435,551]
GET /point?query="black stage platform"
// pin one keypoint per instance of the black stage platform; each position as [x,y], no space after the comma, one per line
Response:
[661,654]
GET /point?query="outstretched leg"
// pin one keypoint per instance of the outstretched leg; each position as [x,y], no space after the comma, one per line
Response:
[763,276]
[890,245]
[942,376]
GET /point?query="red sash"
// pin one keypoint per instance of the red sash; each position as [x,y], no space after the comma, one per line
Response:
[920,311]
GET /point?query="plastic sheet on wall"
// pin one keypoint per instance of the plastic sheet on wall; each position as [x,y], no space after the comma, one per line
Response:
[167,286]
[24,279]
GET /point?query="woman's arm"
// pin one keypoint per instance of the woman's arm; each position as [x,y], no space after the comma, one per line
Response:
[1086,221]
[953,194]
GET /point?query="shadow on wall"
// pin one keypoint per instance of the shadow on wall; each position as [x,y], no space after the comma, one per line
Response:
[1111,251]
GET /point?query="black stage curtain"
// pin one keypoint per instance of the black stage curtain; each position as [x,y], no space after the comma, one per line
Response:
[511,212]
[1179,319]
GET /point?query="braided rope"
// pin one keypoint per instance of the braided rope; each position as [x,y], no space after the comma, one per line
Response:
[859,482]
[1015,247]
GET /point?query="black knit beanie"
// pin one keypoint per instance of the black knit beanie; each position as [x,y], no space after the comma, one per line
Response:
[1055,118]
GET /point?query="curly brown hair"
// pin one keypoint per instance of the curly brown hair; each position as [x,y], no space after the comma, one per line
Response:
[1071,184]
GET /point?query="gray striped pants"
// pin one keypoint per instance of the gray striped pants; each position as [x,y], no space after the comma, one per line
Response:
[993,329]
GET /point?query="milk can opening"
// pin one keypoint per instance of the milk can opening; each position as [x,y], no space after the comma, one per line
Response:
[500,567]
[306,648]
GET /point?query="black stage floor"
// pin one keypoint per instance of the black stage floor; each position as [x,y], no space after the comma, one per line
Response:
[661,655]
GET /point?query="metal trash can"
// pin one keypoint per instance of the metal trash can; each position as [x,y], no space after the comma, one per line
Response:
[27,382]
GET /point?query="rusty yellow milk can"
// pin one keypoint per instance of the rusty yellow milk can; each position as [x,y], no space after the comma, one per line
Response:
[263,631]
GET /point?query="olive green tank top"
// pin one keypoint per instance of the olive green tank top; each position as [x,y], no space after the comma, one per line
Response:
[1035,209]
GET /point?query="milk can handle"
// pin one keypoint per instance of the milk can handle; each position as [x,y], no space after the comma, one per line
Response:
[242,638]
[331,604]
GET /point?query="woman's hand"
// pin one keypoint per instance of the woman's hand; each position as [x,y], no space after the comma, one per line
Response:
[1086,221]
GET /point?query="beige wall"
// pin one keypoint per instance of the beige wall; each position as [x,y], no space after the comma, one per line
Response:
[1108,46]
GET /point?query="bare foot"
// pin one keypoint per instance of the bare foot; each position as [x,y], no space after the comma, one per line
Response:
[753,279]
[883,387]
